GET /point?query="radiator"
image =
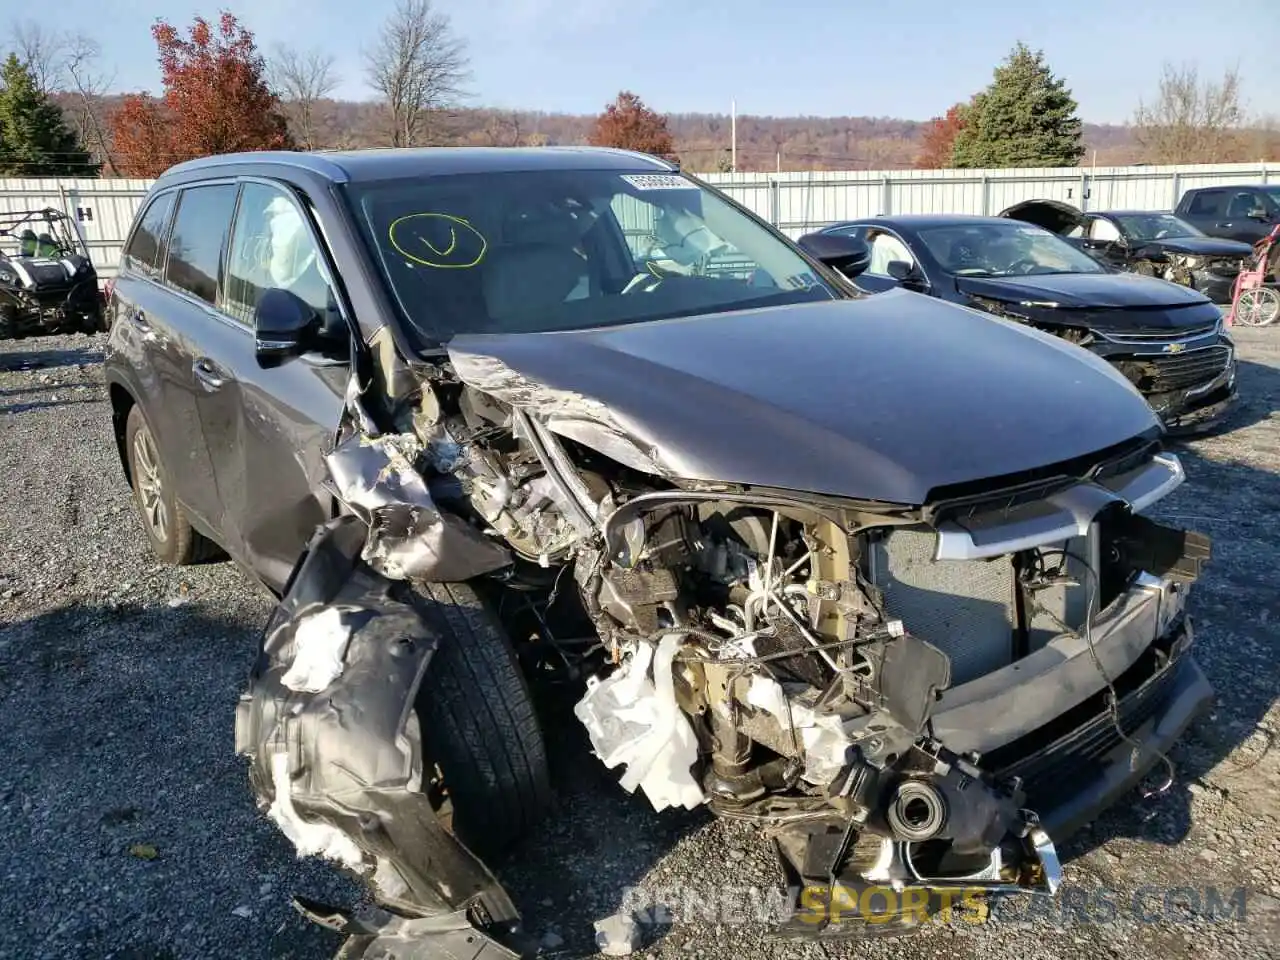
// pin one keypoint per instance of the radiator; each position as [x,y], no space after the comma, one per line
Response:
[965,608]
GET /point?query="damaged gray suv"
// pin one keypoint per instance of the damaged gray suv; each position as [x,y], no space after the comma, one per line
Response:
[873,573]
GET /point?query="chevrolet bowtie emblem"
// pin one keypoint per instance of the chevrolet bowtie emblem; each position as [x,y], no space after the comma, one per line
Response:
[1175,347]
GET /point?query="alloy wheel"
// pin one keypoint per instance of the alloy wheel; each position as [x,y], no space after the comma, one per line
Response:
[150,487]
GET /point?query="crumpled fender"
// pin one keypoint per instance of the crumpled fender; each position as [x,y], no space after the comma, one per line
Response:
[350,753]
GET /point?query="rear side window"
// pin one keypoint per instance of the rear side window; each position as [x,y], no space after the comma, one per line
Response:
[1244,203]
[199,234]
[145,252]
[1207,203]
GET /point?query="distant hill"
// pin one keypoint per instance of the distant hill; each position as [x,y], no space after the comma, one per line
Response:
[798,143]
[702,139]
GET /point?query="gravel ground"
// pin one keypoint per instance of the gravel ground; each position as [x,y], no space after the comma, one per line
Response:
[130,831]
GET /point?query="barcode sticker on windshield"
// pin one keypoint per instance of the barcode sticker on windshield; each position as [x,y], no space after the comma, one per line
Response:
[657,181]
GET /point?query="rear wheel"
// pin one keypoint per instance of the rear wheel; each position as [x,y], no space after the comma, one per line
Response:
[173,539]
[485,763]
[1258,307]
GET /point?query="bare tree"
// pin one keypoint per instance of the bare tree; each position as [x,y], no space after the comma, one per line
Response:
[42,50]
[1191,121]
[502,129]
[418,66]
[84,77]
[302,78]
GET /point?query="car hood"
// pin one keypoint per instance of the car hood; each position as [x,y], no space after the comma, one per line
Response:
[1080,291]
[1053,215]
[885,398]
[1203,246]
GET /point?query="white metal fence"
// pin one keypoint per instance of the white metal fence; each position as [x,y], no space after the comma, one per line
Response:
[105,208]
[795,202]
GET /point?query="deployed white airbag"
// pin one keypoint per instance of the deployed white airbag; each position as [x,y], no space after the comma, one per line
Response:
[633,720]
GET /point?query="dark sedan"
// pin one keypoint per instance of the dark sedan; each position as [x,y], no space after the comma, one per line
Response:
[1168,340]
[1146,242]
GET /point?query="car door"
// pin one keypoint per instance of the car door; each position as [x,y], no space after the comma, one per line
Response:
[269,426]
[1247,218]
[1205,209]
[136,314]
[1103,241]
[164,295]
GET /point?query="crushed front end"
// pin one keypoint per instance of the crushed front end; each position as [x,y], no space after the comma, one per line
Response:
[912,697]
[1214,276]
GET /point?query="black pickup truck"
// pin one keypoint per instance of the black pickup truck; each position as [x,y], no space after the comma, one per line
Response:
[1245,213]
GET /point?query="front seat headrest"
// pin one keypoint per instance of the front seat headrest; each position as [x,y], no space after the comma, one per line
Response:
[525,278]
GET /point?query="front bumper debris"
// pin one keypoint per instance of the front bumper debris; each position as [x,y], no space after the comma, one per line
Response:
[336,760]
[1210,412]
[893,900]
[1189,697]
[1218,287]
[1184,408]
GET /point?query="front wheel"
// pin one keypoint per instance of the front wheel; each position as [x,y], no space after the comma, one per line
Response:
[485,763]
[1259,307]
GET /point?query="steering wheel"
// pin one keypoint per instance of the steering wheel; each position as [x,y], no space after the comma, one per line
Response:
[642,282]
[1027,265]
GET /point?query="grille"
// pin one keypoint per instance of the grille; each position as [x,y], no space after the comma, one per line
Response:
[1048,769]
[963,607]
[1176,371]
[1160,336]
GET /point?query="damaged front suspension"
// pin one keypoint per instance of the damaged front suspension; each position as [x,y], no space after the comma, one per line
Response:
[336,761]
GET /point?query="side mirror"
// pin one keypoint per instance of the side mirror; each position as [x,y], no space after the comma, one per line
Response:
[847,254]
[900,270]
[1258,213]
[282,324]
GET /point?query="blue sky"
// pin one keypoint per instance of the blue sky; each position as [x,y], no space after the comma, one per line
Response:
[799,57]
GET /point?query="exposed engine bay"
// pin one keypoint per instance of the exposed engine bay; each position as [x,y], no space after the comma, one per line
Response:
[816,665]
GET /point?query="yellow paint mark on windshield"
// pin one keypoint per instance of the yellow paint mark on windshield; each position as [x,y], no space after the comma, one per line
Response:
[465,248]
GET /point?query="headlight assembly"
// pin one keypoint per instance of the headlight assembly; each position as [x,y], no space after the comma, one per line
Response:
[997,307]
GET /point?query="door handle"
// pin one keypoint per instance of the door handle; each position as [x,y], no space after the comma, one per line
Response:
[208,374]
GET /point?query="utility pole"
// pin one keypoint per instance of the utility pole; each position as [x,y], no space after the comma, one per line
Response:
[733,135]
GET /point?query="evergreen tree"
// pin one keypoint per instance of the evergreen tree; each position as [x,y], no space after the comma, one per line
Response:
[34,140]
[1025,118]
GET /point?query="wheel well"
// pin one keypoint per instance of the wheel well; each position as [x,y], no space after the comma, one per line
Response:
[121,403]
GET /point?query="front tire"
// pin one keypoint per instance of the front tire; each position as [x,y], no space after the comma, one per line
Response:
[480,731]
[172,538]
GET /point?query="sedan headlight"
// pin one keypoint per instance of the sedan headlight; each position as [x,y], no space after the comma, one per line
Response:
[998,308]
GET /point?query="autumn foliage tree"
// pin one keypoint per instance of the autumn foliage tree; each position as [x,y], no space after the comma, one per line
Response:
[216,100]
[630,125]
[938,142]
